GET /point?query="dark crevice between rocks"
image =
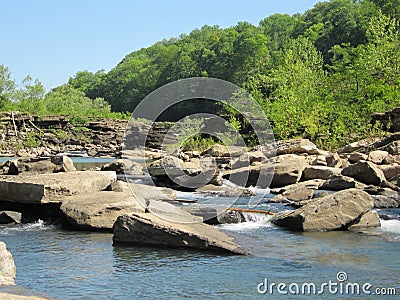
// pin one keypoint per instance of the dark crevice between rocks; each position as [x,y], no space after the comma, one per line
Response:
[34,212]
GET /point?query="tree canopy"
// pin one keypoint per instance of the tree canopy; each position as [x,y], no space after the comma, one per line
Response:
[318,75]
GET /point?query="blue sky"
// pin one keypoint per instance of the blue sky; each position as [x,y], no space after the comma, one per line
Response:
[52,39]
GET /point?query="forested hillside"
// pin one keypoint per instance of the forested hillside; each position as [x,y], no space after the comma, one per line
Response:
[317,75]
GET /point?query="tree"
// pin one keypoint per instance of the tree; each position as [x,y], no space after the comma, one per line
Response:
[7,86]
[30,97]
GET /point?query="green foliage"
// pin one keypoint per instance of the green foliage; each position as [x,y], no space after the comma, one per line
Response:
[31,141]
[317,75]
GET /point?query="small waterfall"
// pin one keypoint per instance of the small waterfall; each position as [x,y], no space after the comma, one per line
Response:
[258,218]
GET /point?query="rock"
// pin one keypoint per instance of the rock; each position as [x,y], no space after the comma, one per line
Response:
[340,182]
[356,145]
[124,166]
[356,157]
[296,146]
[298,193]
[320,160]
[383,201]
[368,220]
[313,184]
[218,150]
[53,188]
[390,171]
[288,170]
[279,199]
[146,229]
[63,164]
[366,172]
[334,212]
[31,165]
[378,156]
[225,191]
[320,172]
[97,211]
[10,217]
[7,266]
[331,159]
[213,216]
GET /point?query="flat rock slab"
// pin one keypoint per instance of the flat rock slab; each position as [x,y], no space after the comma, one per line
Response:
[146,229]
[53,188]
[97,211]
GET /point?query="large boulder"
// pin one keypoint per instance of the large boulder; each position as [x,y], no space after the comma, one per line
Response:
[53,188]
[366,172]
[333,212]
[97,211]
[320,172]
[7,266]
[147,229]
[288,170]
[340,182]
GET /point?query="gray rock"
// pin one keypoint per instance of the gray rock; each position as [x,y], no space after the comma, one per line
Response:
[366,172]
[296,146]
[10,217]
[368,220]
[356,157]
[334,212]
[320,172]
[63,164]
[124,166]
[298,193]
[97,211]
[390,171]
[218,150]
[53,188]
[146,229]
[213,216]
[7,266]
[31,166]
[288,170]
[378,156]
[340,182]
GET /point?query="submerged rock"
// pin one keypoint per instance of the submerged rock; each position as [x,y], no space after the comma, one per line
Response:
[7,266]
[333,212]
[146,229]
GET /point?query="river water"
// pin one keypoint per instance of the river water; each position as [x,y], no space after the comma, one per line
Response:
[83,265]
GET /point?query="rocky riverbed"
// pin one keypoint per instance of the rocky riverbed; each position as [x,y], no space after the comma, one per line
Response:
[327,191]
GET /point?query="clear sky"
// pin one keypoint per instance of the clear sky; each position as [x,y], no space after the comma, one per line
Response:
[53,39]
